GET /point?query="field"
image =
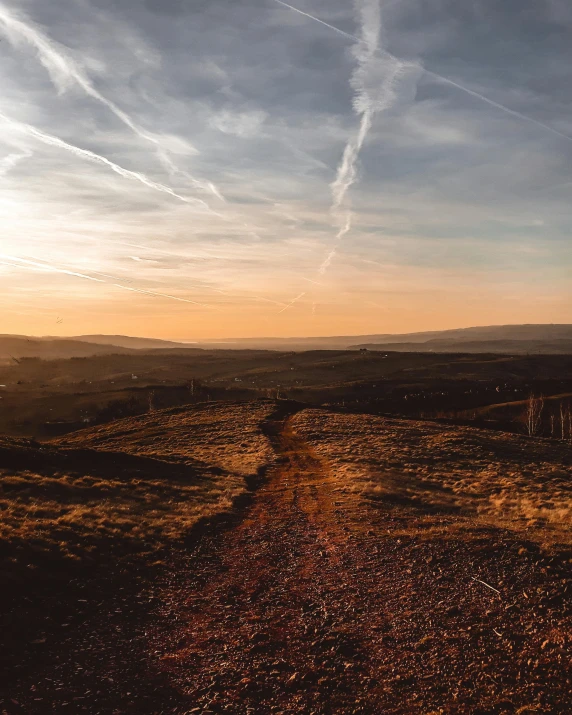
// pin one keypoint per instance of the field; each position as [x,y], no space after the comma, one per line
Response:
[270,556]
[47,398]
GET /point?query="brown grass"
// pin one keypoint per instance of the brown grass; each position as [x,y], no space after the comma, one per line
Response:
[138,485]
[494,478]
[223,435]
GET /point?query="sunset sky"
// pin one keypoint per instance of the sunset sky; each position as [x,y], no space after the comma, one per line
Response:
[222,168]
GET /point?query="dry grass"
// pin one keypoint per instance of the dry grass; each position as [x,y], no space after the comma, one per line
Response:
[492,477]
[224,435]
[137,485]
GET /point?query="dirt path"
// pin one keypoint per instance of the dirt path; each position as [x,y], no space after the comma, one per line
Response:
[270,624]
[316,603]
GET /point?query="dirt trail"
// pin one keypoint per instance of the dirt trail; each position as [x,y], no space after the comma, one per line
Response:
[270,624]
[315,603]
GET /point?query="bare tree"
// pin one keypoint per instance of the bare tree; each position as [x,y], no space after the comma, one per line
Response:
[552,426]
[565,421]
[534,409]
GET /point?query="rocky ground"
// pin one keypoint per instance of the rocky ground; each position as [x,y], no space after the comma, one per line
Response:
[319,598]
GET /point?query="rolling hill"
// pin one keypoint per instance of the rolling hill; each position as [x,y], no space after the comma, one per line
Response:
[510,339]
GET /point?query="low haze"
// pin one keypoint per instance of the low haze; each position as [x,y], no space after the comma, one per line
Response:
[225,168]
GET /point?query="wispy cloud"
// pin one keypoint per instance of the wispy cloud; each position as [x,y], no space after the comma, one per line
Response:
[17,262]
[296,299]
[91,156]
[400,187]
[440,77]
[47,267]
[374,82]
[12,160]
[65,73]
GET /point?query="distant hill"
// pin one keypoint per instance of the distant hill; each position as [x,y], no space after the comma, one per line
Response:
[517,339]
[125,341]
[53,348]
[20,346]
[509,347]
[542,332]
[496,338]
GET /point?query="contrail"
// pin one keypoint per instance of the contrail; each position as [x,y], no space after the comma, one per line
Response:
[371,97]
[64,72]
[328,259]
[309,280]
[317,19]
[10,161]
[25,263]
[162,295]
[343,229]
[346,174]
[445,80]
[49,267]
[185,300]
[297,298]
[502,107]
[98,159]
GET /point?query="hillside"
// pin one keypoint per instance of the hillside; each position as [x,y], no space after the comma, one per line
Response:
[147,479]
[548,337]
[349,564]
[501,345]
[20,346]
[125,341]
[423,468]
[82,528]
[225,436]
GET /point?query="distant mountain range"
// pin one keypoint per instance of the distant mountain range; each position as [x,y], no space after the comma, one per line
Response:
[508,339]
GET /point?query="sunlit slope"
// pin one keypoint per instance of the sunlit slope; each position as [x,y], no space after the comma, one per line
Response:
[430,470]
[133,486]
[225,435]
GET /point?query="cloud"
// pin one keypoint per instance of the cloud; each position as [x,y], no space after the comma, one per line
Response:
[65,73]
[47,267]
[291,303]
[375,83]
[12,160]
[308,133]
[97,159]
[241,124]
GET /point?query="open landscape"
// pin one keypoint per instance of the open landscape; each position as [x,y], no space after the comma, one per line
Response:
[50,396]
[285,357]
[300,541]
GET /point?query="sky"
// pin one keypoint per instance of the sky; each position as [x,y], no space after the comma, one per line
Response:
[193,169]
